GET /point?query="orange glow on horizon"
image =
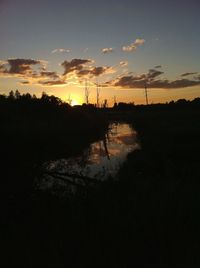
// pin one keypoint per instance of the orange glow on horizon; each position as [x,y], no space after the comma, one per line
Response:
[75,102]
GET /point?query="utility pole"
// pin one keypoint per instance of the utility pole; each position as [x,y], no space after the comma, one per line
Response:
[115,101]
[98,94]
[105,104]
[69,99]
[146,93]
[87,93]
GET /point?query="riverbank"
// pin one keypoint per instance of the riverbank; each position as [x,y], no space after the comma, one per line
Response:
[37,130]
[160,188]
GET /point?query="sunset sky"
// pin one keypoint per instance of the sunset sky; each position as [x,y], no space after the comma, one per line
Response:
[55,46]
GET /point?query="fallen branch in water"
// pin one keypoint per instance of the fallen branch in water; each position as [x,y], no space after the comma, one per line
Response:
[67,176]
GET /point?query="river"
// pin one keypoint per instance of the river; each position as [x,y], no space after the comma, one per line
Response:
[100,161]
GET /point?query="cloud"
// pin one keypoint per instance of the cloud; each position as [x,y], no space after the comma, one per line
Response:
[187,74]
[95,71]
[133,46]
[46,79]
[61,50]
[2,69]
[52,82]
[74,65]
[181,83]
[74,70]
[139,42]
[152,81]
[83,68]
[128,82]
[123,63]
[18,66]
[132,82]
[153,74]
[158,67]
[129,48]
[21,66]
[197,77]
[107,50]
[53,75]
[30,71]
[24,82]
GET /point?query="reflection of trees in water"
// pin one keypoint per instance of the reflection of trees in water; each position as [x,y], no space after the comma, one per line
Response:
[102,147]
[94,164]
[111,133]
[65,178]
[105,146]
[73,173]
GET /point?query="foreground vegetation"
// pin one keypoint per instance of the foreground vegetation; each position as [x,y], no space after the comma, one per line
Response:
[161,188]
[34,130]
[147,218]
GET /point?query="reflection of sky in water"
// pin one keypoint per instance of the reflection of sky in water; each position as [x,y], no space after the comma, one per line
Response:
[103,158]
[119,141]
[107,156]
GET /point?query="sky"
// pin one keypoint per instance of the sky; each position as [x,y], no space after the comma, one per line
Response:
[61,46]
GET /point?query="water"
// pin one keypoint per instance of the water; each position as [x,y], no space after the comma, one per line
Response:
[100,161]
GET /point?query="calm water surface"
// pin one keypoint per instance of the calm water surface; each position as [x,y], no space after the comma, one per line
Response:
[100,161]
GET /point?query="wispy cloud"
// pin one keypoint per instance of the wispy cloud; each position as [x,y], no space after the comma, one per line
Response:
[152,74]
[123,63]
[49,74]
[158,67]
[133,46]
[188,74]
[107,50]
[60,82]
[61,50]
[24,82]
[44,79]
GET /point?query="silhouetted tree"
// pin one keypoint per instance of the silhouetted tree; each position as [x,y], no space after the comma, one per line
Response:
[11,95]
[17,94]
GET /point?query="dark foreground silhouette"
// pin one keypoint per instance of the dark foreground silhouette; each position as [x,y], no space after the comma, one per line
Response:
[149,217]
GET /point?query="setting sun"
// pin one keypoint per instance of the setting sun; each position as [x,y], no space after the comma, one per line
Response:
[74,102]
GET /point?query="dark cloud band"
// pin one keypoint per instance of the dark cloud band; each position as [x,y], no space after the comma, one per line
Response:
[151,80]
